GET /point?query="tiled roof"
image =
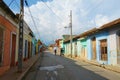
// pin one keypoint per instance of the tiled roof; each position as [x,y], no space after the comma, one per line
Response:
[94,30]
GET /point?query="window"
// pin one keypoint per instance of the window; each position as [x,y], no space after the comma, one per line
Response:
[1,45]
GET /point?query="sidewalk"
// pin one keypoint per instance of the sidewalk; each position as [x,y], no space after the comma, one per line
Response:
[114,68]
[12,74]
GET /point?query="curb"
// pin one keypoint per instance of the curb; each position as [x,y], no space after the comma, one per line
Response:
[99,65]
[25,72]
[104,66]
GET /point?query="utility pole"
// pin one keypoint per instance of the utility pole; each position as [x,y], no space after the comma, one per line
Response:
[20,49]
[71,31]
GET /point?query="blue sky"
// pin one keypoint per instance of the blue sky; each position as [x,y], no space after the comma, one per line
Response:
[51,21]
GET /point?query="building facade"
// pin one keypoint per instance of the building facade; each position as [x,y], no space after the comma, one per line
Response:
[8,37]
[101,44]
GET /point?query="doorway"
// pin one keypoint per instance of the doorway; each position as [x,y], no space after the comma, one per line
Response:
[13,50]
[75,46]
[93,48]
[28,49]
[103,49]
[84,51]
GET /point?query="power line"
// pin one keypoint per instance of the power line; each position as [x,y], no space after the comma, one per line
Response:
[32,17]
[26,12]
[51,10]
[10,3]
[94,7]
[31,14]
[17,4]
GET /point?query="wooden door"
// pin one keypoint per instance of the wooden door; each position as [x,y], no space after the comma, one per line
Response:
[31,49]
[75,47]
[28,49]
[94,48]
[13,50]
[83,51]
[103,47]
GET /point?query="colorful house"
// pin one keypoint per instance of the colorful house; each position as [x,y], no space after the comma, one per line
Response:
[8,37]
[104,44]
[101,44]
[81,42]
[113,41]
[26,47]
[58,43]
[30,44]
[34,45]
[67,45]
[98,46]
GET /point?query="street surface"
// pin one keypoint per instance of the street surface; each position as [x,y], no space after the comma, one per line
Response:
[61,68]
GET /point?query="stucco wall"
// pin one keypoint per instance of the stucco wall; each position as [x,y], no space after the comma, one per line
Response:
[9,28]
[113,45]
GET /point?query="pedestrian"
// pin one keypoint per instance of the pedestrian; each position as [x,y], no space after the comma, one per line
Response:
[55,50]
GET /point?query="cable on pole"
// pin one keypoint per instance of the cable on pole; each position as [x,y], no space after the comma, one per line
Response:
[11,3]
[51,10]
[32,17]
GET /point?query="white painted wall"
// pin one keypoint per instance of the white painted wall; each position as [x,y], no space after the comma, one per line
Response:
[113,46]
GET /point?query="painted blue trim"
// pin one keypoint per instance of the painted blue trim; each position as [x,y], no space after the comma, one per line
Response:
[89,49]
[102,35]
[99,36]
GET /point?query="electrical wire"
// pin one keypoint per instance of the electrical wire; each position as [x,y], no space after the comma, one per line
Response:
[89,10]
[52,10]
[10,3]
[32,17]
[28,14]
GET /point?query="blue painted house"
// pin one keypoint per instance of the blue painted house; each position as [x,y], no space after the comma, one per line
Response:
[98,47]
[103,44]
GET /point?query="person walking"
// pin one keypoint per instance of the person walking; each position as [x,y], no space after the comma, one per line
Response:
[55,50]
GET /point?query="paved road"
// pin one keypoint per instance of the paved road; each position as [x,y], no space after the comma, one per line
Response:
[60,68]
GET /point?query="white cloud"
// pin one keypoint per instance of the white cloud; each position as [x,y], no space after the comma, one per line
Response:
[101,20]
[51,24]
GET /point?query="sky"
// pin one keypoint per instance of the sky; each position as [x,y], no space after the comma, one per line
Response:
[51,16]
